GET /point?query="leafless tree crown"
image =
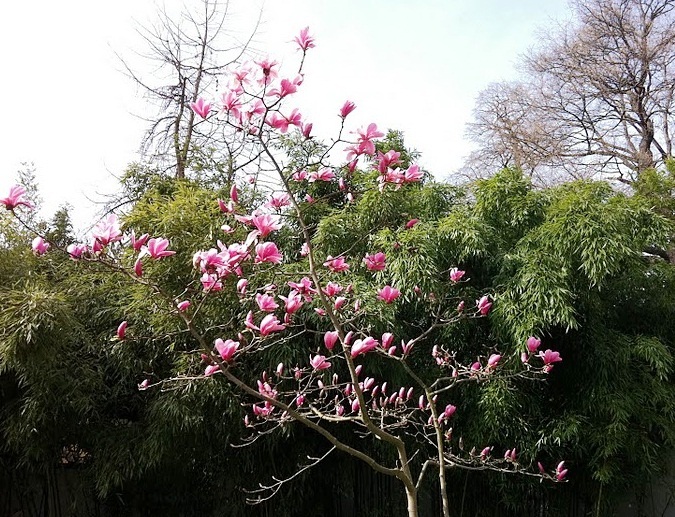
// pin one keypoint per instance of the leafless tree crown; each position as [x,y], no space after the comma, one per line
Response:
[187,52]
[596,99]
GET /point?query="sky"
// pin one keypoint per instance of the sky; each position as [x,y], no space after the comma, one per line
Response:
[413,66]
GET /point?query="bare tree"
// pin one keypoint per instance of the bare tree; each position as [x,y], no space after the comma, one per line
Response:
[597,99]
[188,52]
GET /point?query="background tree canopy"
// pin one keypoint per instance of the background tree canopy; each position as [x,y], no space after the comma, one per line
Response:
[565,264]
[595,99]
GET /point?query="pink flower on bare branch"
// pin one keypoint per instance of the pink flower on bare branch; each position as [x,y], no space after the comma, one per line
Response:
[201,107]
[15,198]
[305,40]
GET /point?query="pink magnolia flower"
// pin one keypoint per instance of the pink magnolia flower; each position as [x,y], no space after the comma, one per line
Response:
[270,324]
[263,410]
[278,200]
[253,110]
[362,346]
[282,123]
[449,410]
[393,176]
[485,452]
[231,102]
[295,118]
[245,219]
[226,349]
[304,40]
[211,282]
[493,360]
[533,344]
[242,284]
[234,195]
[484,305]
[347,108]
[39,246]
[307,130]
[293,301]
[138,242]
[560,471]
[413,174]
[549,357]
[323,174]
[122,331]
[183,306]
[76,250]
[332,288]
[267,252]
[387,339]
[304,249]
[411,223]
[15,198]
[299,175]
[201,107]
[330,338]
[211,369]
[376,262]
[239,75]
[304,287]
[144,385]
[286,87]
[106,231]
[407,347]
[387,160]
[138,267]
[268,73]
[156,248]
[249,321]
[337,265]
[366,145]
[266,302]
[226,208]
[456,274]
[267,223]
[319,362]
[208,261]
[388,294]
[277,121]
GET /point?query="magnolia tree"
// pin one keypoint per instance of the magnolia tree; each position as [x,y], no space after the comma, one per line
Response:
[334,387]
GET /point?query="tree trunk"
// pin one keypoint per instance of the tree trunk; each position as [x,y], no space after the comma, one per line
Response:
[411,494]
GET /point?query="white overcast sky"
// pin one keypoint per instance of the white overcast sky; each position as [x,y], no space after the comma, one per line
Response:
[416,66]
